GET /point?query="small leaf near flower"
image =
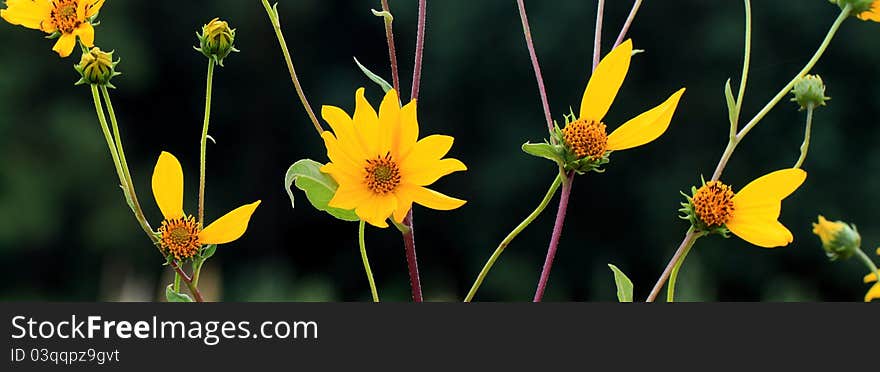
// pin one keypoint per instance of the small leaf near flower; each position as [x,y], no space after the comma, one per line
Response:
[624,285]
[319,187]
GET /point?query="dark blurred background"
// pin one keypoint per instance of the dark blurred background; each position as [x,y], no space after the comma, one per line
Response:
[67,234]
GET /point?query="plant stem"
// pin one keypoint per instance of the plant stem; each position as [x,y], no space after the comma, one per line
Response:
[420,46]
[363,247]
[554,238]
[527,32]
[628,23]
[673,277]
[597,41]
[844,14]
[392,54]
[806,145]
[688,241]
[204,141]
[102,119]
[276,24]
[176,282]
[747,56]
[412,263]
[512,235]
[868,262]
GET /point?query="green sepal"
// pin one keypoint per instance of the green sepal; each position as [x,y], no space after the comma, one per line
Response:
[372,76]
[53,35]
[173,296]
[624,285]
[319,188]
[731,103]
[546,150]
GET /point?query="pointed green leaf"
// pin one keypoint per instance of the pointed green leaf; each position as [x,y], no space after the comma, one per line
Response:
[375,78]
[624,285]
[208,251]
[731,103]
[319,187]
[173,296]
[542,150]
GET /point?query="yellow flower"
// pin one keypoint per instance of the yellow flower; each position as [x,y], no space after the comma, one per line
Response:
[872,14]
[69,18]
[379,163]
[751,214]
[874,292]
[839,240]
[180,234]
[587,136]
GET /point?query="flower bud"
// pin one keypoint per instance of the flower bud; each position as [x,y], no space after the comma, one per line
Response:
[96,67]
[840,240]
[858,6]
[809,92]
[216,40]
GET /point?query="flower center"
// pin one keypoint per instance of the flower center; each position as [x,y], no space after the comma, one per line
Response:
[713,203]
[586,138]
[179,237]
[383,174]
[64,15]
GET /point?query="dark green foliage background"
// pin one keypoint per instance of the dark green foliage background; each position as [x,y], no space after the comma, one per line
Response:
[66,233]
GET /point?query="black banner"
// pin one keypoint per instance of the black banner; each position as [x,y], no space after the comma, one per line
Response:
[331,336]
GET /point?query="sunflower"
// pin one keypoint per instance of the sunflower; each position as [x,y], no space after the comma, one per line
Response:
[872,14]
[180,235]
[68,18]
[379,163]
[586,136]
[751,214]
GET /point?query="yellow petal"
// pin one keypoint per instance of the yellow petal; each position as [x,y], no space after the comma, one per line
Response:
[86,34]
[340,154]
[94,8]
[343,130]
[432,199]
[645,127]
[366,124]
[64,45]
[870,278]
[28,13]
[873,293]
[404,203]
[405,139]
[757,207]
[376,209]
[763,233]
[229,227]
[168,186]
[343,174]
[389,121]
[427,151]
[873,14]
[349,197]
[428,175]
[605,82]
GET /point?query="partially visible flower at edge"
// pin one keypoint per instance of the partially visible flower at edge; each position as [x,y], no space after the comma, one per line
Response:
[380,164]
[874,292]
[839,239]
[180,235]
[751,214]
[68,18]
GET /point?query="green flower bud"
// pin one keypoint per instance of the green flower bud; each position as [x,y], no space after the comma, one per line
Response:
[216,40]
[840,240]
[858,6]
[809,92]
[96,67]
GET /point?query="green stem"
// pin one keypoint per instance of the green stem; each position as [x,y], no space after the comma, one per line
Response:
[197,270]
[276,24]
[734,141]
[363,246]
[806,145]
[176,282]
[512,235]
[204,141]
[107,136]
[673,277]
[747,56]
[868,262]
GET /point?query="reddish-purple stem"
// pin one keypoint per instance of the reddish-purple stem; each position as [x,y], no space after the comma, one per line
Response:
[420,46]
[527,32]
[392,54]
[628,23]
[412,263]
[554,238]
[597,41]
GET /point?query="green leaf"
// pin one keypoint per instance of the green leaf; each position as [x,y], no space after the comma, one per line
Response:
[624,285]
[542,150]
[173,296]
[208,251]
[319,187]
[731,103]
[375,78]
